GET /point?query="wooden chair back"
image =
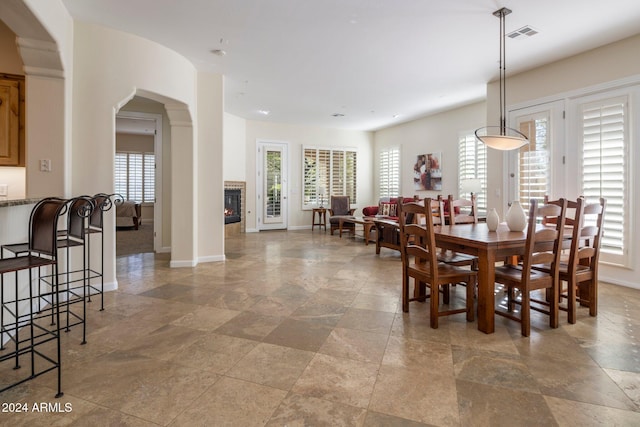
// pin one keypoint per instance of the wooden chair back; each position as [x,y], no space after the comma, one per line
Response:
[467,210]
[417,238]
[544,245]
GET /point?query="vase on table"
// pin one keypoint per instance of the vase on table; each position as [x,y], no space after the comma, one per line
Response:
[493,219]
[516,218]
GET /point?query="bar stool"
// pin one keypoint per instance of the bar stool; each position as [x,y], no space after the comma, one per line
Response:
[74,287]
[42,251]
[101,203]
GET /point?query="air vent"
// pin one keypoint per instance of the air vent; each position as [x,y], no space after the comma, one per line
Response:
[524,31]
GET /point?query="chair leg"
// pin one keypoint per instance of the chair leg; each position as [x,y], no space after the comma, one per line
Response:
[446,293]
[593,296]
[435,303]
[405,292]
[553,306]
[471,286]
[525,315]
[571,301]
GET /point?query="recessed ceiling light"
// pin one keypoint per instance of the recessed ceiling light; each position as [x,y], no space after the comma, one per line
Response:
[395,116]
[218,52]
[264,112]
[337,115]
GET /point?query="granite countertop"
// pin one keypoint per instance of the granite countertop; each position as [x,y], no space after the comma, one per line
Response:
[19,202]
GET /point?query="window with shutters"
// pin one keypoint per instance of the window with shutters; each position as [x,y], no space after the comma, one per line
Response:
[328,172]
[604,128]
[389,170]
[472,164]
[534,160]
[135,176]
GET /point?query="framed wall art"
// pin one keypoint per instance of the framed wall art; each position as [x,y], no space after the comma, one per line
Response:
[427,172]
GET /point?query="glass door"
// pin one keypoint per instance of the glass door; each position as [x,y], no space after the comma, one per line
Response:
[272,186]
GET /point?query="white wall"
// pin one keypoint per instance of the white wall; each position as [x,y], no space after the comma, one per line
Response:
[235,148]
[620,60]
[437,133]
[297,137]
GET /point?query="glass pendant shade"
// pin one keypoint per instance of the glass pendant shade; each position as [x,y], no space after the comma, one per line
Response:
[501,137]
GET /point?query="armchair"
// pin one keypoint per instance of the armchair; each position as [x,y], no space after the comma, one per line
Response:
[340,207]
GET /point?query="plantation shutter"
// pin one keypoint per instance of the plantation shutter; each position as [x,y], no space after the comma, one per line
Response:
[389,170]
[351,170]
[149,178]
[335,171]
[472,164]
[604,169]
[121,174]
[534,162]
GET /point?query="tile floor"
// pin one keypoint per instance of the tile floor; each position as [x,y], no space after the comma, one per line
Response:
[300,328]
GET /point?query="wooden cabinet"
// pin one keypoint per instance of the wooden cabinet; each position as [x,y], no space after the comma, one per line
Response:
[11,119]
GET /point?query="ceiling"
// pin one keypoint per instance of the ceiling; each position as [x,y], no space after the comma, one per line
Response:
[374,63]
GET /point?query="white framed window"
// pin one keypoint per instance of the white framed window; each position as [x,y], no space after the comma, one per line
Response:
[389,172]
[604,134]
[328,172]
[135,176]
[472,164]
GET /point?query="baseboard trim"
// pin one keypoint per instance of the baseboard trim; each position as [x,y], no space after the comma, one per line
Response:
[212,258]
[184,263]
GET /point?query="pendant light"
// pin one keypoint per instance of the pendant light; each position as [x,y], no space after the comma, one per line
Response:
[502,137]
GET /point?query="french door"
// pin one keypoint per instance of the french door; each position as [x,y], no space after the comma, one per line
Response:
[537,169]
[272,185]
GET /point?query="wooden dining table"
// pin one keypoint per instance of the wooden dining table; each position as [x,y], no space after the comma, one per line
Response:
[488,246]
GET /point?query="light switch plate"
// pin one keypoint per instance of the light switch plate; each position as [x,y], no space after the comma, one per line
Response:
[4,189]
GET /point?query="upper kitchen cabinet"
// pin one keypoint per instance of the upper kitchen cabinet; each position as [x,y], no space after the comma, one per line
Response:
[11,121]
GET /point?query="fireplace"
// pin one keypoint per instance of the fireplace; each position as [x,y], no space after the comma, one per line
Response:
[232,206]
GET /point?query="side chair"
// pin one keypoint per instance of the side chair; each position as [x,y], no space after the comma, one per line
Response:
[420,263]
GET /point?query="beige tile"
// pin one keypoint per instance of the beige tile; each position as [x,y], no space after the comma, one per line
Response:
[367,301]
[492,368]
[375,419]
[629,382]
[272,365]
[297,410]
[213,352]
[299,334]
[363,346]
[318,312]
[493,405]
[367,320]
[572,413]
[418,355]
[338,380]
[150,389]
[250,325]
[428,398]
[567,380]
[31,397]
[108,417]
[205,318]
[232,402]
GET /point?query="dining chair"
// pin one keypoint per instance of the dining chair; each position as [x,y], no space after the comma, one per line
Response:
[452,257]
[542,246]
[463,211]
[579,270]
[419,262]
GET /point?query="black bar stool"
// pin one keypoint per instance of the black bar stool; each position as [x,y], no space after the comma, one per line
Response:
[41,252]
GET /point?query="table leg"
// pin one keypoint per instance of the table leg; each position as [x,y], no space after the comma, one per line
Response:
[340,222]
[486,287]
